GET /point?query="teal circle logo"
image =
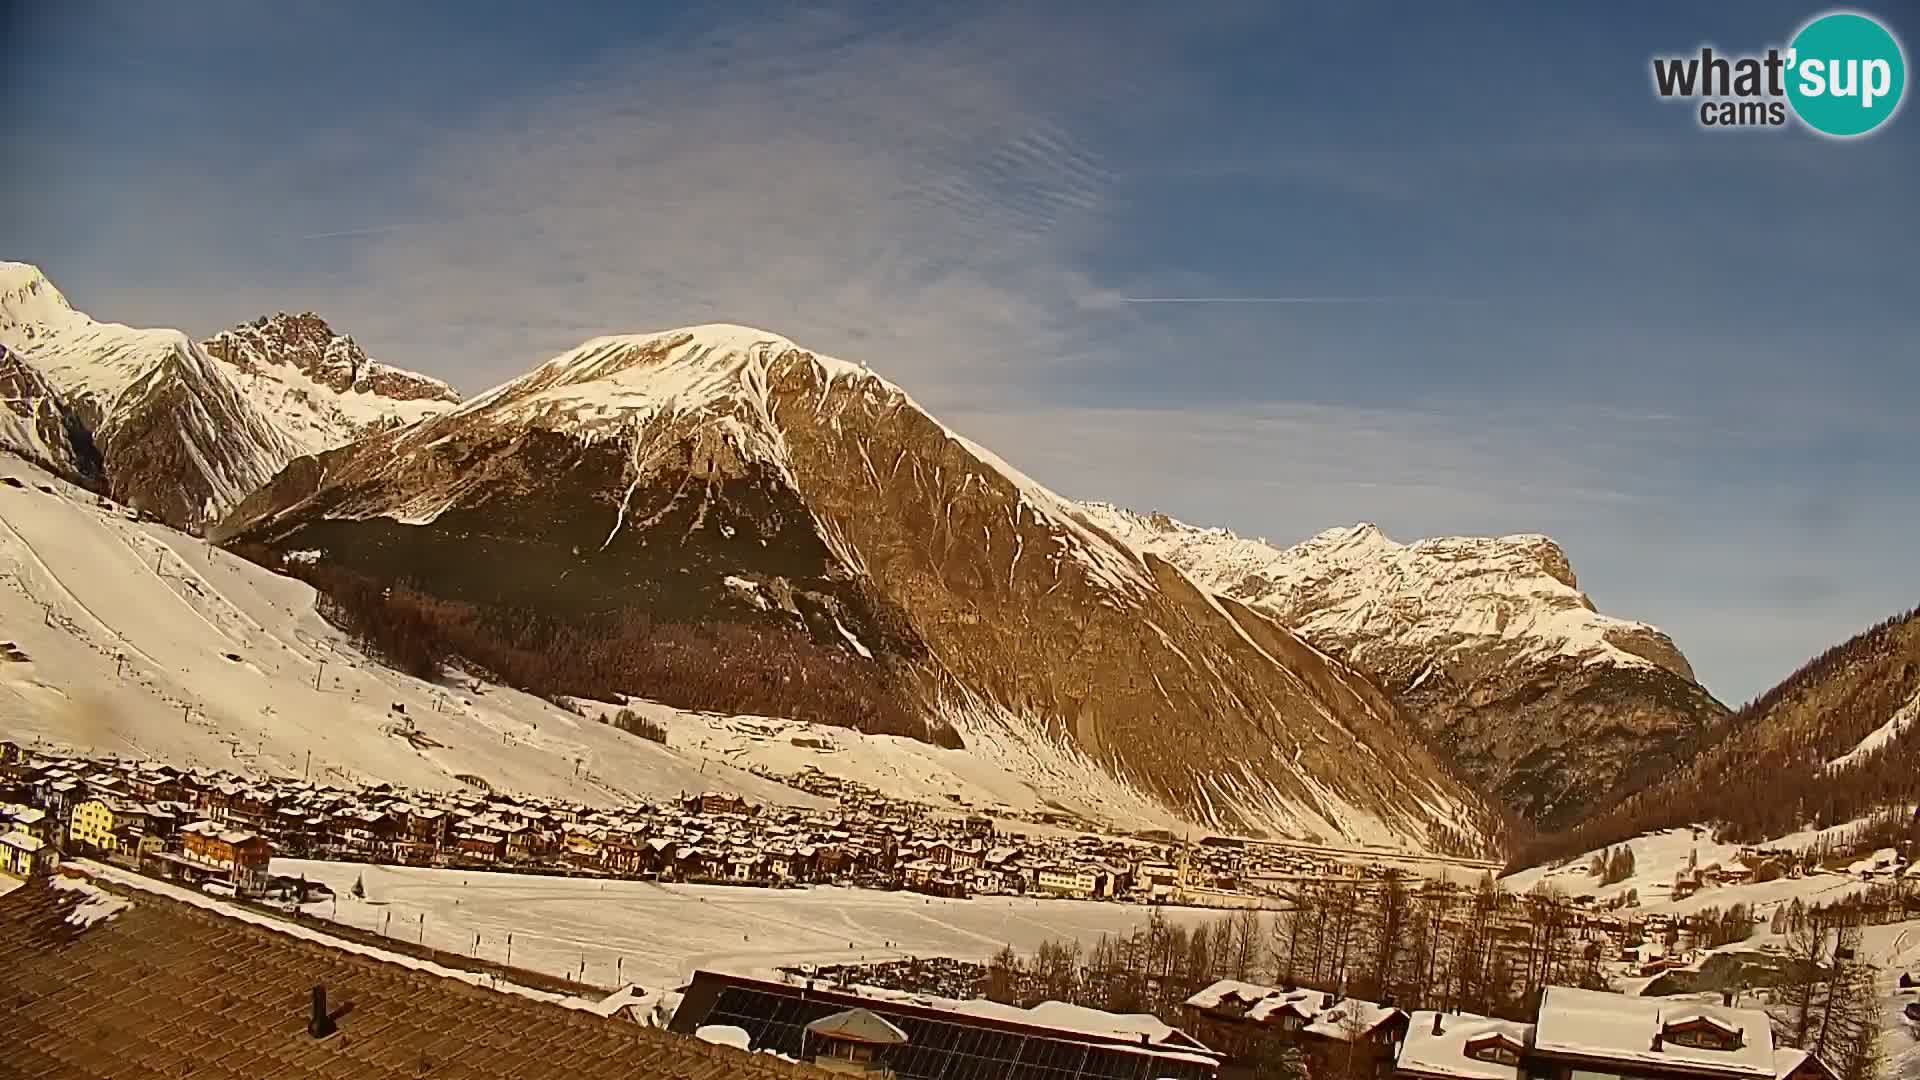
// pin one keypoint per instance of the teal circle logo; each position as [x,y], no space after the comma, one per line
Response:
[1846,74]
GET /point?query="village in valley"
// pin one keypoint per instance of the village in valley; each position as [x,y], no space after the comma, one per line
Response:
[168,820]
[197,825]
[1285,972]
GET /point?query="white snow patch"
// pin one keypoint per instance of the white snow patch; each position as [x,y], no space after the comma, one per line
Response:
[98,906]
[1882,735]
[725,1035]
[851,640]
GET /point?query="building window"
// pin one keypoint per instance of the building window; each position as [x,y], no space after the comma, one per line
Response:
[1700,1039]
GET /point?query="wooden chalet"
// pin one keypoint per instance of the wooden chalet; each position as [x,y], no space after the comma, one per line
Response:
[1336,1036]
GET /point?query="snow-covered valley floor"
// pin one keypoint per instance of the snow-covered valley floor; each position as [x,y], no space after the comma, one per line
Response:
[655,935]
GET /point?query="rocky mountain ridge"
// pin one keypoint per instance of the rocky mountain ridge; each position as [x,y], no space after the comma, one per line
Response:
[321,385]
[1837,743]
[1488,642]
[180,429]
[176,437]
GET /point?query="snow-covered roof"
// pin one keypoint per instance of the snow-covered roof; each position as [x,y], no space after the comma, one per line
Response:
[1786,1059]
[1058,1015]
[99,904]
[725,1035]
[1266,1003]
[627,996]
[1445,1054]
[21,841]
[1333,1023]
[1614,1027]
[859,1025]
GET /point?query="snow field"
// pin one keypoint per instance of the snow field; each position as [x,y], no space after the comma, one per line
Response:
[656,935]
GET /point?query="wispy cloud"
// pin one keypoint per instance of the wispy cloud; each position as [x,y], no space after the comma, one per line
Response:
[913,195]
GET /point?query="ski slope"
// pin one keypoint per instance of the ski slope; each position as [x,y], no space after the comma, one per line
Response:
[146,642]
[143,641]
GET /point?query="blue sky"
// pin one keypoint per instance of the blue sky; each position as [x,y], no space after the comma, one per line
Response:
[1554,303]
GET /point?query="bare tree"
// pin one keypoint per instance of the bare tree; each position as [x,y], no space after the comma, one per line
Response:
[1003,977]
[1289,933]
[1352,1022]
[1246,937]
[1390,915]
[1855,1051]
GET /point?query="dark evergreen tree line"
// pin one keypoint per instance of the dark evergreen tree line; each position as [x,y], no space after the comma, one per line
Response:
[721,667]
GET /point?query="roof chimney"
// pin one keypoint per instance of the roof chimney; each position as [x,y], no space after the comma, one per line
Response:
[320,1025]
[1437,1030]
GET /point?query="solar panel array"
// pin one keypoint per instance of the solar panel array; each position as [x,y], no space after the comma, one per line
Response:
[942,1050]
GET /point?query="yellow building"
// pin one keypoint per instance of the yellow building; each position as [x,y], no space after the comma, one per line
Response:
[1073,881]
[22,855]
[90,828]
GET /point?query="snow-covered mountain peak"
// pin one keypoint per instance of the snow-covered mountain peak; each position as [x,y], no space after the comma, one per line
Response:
[1360,541]
[321,385]
[307,344]
[1488,640]
[26,294]
[176,435]
[681,370]
[1357,588]
[93,363]
[1530,552]
[746,394]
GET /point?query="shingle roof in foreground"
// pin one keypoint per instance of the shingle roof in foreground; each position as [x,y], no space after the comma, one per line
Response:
[164,988]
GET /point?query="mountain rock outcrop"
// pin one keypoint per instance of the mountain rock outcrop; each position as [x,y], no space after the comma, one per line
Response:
[723,477]
[37,424]
[321,386]
[1488,643]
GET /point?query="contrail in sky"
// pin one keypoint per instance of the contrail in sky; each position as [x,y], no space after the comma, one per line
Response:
[370,230]
[1284,300]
